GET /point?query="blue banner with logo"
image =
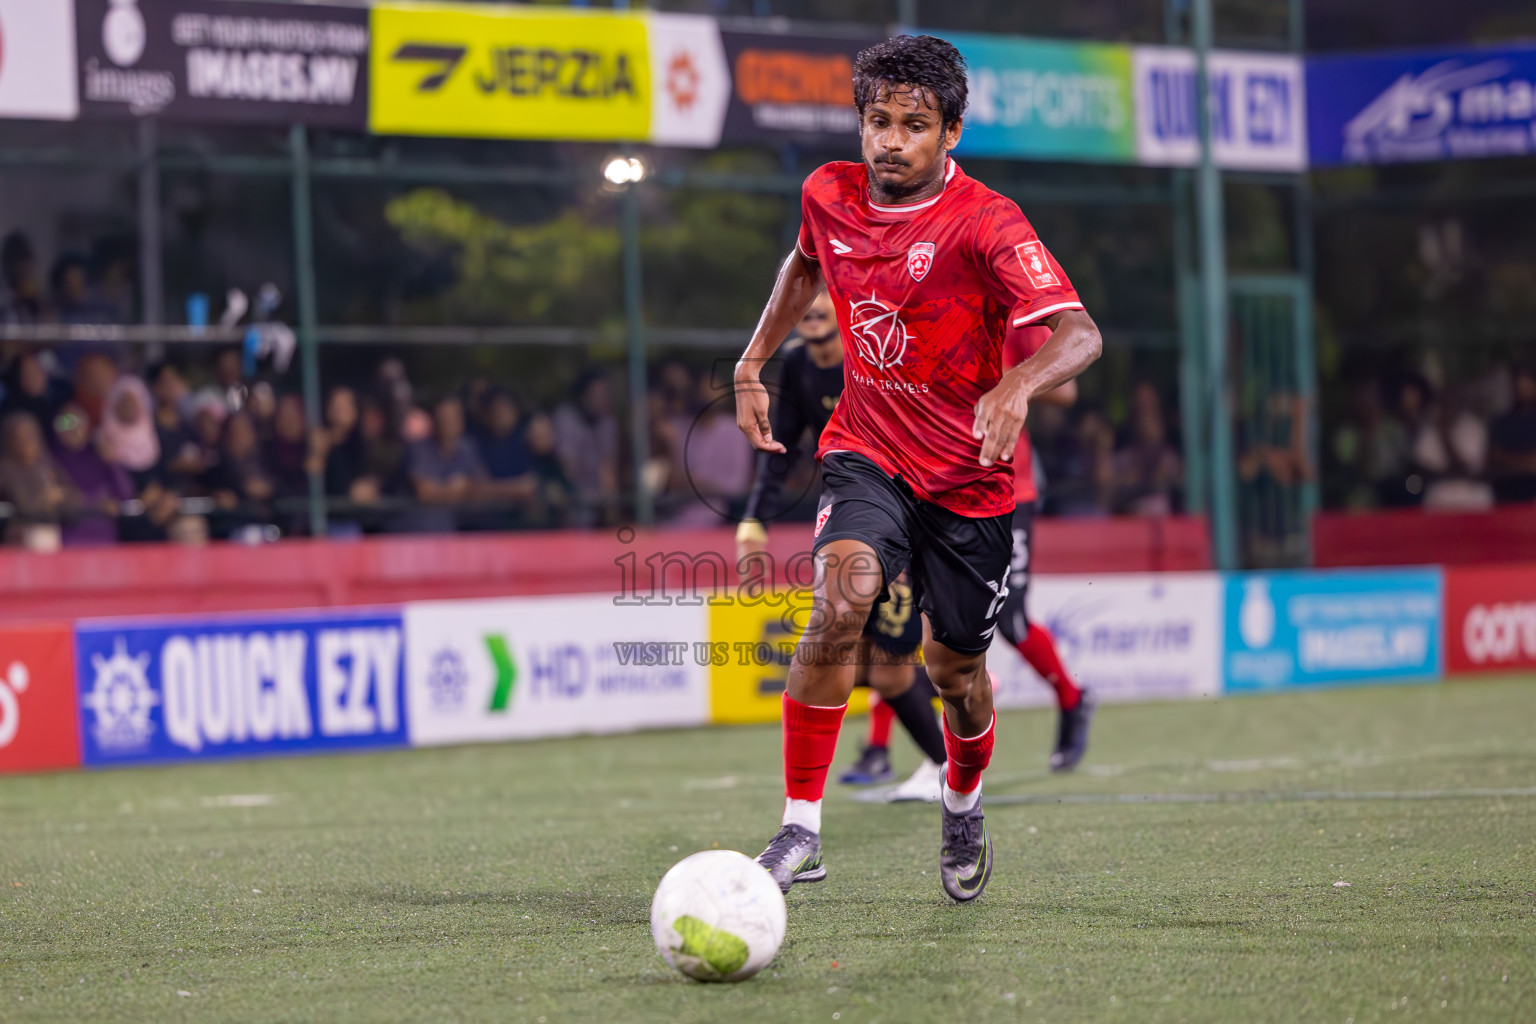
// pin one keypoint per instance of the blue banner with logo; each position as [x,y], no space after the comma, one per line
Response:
[204,688]
[1291,629]
[1440,105]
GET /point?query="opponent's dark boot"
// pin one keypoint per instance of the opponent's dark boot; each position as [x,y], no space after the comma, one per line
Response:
[872,767]
[1072,733]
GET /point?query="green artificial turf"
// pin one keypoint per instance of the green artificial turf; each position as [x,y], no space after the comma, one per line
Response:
[512,883]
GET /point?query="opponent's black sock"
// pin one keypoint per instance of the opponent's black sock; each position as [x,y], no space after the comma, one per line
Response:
[914,709]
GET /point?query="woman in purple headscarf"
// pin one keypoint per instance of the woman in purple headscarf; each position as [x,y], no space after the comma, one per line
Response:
[101,486]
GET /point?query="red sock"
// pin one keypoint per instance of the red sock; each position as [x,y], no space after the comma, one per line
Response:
[1039,649]
[968,758]
[810,741]
[881,715]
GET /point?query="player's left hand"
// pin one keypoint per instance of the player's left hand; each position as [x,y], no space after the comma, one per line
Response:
[1000,416]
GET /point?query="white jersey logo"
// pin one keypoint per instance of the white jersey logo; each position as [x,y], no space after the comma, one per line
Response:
[879,333]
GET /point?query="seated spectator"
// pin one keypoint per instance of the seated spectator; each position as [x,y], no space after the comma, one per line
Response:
[73,302]
[22,300]
[95,373]
[29,390]
[39,493]
[240,483]
[1148,471]
[551,502]
[384,452]
[100,486]
[1512,444]
[717,467]
[503,449]
[288,449]
[127,431]
[587,439]
[180,456]
[445,471]
[1451,450]
[261,402]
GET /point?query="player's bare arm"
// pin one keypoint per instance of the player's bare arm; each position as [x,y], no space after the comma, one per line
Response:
[1073,346]
[798,284]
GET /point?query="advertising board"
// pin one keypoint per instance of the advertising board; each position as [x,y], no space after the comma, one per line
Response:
[224,61]
[1130,636]
[1490,618]
[1289,629]
[39,728]
[503,72]
[552,666]
[1258,109]
[202,688]
[1433,105]
[37,60]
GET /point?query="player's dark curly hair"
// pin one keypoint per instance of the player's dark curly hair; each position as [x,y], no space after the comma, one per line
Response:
[923,62]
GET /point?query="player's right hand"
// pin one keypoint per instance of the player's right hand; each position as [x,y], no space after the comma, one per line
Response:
[752,414]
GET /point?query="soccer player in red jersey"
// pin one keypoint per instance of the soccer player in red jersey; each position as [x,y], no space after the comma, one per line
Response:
[928,269]
[1074,704]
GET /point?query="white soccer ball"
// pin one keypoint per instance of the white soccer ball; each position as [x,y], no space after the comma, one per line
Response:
[718,916]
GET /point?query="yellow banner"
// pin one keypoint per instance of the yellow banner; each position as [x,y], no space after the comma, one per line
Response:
[759,639]
[508,73]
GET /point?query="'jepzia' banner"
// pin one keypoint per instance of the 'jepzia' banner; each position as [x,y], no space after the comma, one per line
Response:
[179,689]
[221,61]
[38,725]
[480,71]
[1441,105]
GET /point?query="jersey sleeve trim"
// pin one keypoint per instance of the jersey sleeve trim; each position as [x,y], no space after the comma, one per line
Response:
[807,255]
[1036,314]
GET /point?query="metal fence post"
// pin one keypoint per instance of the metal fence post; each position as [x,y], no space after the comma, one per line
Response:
[1213,286]
[304,276]
[639,414]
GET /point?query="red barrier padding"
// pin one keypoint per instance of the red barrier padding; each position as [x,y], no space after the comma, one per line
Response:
[167,579]
[1490,619]
[1416,537]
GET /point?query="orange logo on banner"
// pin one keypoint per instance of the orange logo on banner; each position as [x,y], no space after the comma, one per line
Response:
[793,76]
[39,726]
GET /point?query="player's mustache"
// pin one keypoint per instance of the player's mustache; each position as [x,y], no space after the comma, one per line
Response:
[896,160]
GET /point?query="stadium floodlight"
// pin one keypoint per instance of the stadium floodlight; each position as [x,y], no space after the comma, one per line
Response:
[624,170]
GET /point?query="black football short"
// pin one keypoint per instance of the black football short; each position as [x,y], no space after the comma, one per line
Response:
[958,565]
[1013,623]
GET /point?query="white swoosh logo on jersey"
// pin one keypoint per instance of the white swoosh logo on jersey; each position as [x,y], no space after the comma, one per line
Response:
[839,248]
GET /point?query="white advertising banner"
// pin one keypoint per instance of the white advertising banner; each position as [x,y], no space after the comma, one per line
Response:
[551,666]
[1133,636]
[690,82]
[37,60]
[1258,109]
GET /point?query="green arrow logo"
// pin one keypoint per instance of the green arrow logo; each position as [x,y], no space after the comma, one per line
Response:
[506,672]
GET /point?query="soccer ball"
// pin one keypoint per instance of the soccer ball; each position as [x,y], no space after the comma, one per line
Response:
[718,916]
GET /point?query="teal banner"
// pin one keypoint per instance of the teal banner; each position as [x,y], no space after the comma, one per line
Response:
[1048,100]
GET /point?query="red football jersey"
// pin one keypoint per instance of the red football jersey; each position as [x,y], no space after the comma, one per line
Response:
[1021,343]
[925,294]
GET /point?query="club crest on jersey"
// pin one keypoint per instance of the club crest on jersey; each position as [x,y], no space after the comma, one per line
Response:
[1033,259]
[879,333]
[920,259]
[822,517]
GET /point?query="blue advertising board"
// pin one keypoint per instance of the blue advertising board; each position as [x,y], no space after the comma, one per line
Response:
[238,686]
[1437,105]
[1290,629]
